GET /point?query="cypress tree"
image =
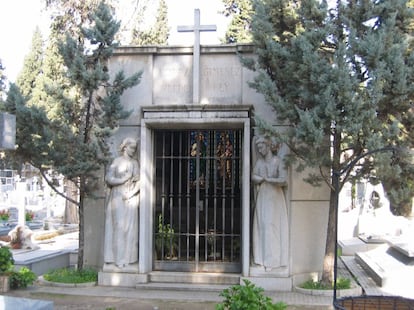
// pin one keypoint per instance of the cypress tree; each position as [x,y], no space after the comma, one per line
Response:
[156,35]
[341,80]
[32,66]
[239,29]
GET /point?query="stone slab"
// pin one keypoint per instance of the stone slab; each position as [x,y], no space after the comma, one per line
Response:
[386,266]
[41,261]
[15,303]
[353,245]
[372,238]
[404,248]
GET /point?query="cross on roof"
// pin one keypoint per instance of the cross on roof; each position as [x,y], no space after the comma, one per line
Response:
[197,28]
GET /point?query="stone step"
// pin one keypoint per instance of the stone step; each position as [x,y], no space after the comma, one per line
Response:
[157,286]
[194,278]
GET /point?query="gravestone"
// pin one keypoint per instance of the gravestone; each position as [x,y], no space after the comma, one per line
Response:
[8,302]
[7,131]
[391,266]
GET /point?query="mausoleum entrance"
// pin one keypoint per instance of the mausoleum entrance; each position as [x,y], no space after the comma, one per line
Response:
[197,210]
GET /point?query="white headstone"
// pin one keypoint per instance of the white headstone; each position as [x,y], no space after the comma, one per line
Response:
[7,131]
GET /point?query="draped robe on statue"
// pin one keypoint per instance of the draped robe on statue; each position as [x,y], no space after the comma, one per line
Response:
[121,224]
[270,222]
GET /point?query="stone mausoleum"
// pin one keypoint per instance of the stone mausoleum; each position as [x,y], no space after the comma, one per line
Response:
[197,147]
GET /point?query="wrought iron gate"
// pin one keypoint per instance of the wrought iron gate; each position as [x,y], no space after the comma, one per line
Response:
[197,218]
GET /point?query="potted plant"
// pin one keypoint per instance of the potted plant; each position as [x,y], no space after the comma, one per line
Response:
[29,216]
[165,240]
[6,266]
[4,215]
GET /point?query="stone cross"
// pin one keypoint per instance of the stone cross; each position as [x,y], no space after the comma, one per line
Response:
[197,28]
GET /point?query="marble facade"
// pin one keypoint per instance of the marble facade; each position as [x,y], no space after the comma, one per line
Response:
[164,100]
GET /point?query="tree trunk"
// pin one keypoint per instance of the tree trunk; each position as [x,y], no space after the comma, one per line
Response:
[71,209]
[81,227]
[329,259]
[331,233]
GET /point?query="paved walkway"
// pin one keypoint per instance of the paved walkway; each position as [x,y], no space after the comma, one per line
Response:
[99,297]
[118,298]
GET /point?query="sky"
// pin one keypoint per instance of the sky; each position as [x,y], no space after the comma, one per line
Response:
[19,19]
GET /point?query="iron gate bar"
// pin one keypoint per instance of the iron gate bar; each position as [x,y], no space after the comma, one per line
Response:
[209,198]
[180,143]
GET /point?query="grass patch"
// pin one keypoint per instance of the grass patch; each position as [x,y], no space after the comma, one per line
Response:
[70,275]
[341,284]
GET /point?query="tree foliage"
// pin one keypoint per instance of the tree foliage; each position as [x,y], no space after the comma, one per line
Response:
[77,106]
[341,80]
[2,80]
[157,34]
[32,66]
[239,29]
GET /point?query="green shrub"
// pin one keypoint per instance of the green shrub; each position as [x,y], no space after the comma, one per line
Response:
[6,259]
[341,284]
[247,297]
[70,275]
[22,278]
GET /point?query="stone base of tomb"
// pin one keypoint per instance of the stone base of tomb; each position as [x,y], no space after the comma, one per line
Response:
[276,279]
[122,279]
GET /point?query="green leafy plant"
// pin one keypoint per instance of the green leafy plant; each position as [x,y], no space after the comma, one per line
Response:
[6,260]
[247,297]
[341,284]
[22,278]
[4,215]
[29,215]
[69,275]
[165,239]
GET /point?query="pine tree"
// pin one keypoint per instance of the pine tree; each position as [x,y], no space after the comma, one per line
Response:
[90,118]
[156,35]
[77,107]
[341,81]
[239,29]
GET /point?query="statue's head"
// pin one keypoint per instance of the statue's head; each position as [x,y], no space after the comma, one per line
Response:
[127,142]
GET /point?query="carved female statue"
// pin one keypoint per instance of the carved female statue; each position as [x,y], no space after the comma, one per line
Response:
[270,222]
[121,224]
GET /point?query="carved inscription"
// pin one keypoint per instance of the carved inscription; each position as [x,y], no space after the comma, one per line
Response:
[221,82]
[172,80]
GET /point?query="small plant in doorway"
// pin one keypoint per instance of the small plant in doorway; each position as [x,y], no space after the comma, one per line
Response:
[165,240]
[247,297]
